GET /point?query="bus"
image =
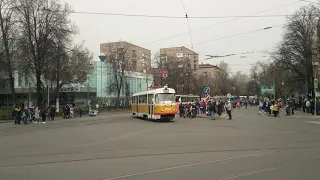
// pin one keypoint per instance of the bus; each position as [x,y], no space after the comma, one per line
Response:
[157,104]
[187,99]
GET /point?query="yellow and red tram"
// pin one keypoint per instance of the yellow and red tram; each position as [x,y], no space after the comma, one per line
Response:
[156,104]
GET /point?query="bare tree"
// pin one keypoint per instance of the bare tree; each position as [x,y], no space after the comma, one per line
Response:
[239,81]
[40,23]
[74,66]
[121,59]
[8,38]
[222,79]
[297,48]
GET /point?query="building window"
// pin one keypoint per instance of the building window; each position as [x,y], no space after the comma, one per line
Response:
[19,78]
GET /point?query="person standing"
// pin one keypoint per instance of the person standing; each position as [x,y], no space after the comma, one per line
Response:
[181,110]
[17,114]
[43,113]
[212,110]
[198,107]
[52,113]
[36,115]
[80,111]
[229,109]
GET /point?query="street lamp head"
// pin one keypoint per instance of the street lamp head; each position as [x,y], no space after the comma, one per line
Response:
[102,57]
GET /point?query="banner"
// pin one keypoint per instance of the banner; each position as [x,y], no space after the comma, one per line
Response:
[267,90]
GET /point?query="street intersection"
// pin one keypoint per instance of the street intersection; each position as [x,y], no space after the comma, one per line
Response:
[117,146]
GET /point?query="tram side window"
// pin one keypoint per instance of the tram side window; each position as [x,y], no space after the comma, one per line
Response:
[150,96]
[143,99]
[177,99]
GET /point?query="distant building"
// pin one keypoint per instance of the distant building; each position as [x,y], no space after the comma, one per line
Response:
[189,58]
[208,69]
[141,57]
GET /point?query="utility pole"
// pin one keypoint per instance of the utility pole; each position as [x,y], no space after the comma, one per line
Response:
[48,96]
[29,89]
[88,90]
[58,78]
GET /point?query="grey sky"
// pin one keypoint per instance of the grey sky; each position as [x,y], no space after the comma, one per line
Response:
[96,29]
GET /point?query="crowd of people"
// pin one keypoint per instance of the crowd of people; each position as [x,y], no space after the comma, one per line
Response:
[274,106]
[196,108]
[39,114]
[35,114]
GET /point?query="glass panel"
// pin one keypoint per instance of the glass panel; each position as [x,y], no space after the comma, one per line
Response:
[165,97]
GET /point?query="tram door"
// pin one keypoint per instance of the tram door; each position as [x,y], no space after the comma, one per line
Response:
[150,104]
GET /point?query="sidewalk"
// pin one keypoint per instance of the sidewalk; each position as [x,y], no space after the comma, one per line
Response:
[58,118]
[297,114]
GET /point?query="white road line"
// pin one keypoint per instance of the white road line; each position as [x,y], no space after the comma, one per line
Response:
[188,165]
[313,122]
[263,170]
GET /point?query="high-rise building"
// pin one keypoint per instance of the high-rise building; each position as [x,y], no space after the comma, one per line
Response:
[189,58]
[139,58]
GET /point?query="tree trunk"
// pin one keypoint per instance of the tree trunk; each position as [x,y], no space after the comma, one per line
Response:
[11,81]
[118,97]
[39,95]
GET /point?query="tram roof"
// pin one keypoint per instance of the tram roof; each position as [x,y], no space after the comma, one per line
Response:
[154,91]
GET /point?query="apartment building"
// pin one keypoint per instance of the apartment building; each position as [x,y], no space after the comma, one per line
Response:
[139,58]
[189,59]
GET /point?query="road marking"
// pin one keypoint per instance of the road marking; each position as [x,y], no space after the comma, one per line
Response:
[188,165]
[313,122]
[265,170]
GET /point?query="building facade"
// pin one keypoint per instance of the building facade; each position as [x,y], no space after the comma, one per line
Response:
[185,55]
[103,80]
[140,58]
[25,90]
[208,69]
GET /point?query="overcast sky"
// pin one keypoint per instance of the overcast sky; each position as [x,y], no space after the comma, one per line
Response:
[96,29]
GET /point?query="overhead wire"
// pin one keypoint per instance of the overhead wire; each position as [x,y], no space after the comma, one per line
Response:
[239,34]
[224,22]
[181,17]
[186,16]
[232,54]
[311,1]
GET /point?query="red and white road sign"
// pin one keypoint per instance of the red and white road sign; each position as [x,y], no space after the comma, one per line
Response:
[207,97]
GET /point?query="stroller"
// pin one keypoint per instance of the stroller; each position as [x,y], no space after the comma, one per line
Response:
[93,113]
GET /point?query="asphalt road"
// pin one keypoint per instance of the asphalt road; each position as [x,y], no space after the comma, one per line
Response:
[116,146]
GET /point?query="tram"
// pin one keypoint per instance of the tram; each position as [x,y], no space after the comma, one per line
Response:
[187,99]
[158,104]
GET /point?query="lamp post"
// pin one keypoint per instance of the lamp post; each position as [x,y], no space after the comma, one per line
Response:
[102,57]
[315,84]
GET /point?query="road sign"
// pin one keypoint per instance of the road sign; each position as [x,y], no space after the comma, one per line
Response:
[315,83]
[206,90]
[160,74]
[229,95]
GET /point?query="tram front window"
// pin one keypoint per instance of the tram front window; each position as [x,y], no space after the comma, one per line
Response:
[165,97]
